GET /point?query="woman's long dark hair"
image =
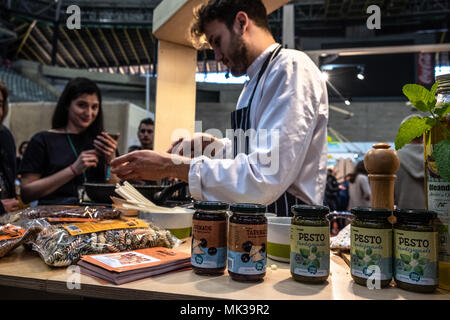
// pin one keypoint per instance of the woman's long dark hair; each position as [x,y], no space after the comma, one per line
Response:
[74,89]
[359,169]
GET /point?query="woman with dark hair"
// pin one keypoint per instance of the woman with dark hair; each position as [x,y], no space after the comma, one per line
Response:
[359,188]
[76,150]
[8,201]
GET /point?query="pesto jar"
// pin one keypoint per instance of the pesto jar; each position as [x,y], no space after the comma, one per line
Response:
[416,250]
[371,246]
[209,238]
[310,244]
[247,242]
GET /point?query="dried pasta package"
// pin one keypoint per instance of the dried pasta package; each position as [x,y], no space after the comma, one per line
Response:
[12,236]
[100,213]
[64,244]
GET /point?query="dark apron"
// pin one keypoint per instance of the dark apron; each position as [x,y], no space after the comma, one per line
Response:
[240,120]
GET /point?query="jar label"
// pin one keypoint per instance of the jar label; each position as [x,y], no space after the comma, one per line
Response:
[415,257]
[371,253]
[310,250]
[247,248]
[209,244]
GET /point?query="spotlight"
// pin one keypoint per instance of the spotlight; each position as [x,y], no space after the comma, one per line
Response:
[347,102]
[325,76]
[360,76]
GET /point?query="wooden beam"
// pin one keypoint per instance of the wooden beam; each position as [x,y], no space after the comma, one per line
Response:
[38,57]
[58,56]
[64,49]
[75,48]
[108,46]
[130,43]
[175,93]
[83,43]
[42,51]
[27,34]
[143,46]
[122,51]
[100,52]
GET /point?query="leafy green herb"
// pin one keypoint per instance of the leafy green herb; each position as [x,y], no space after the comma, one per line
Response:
[405,258]
[424,100]
[304,253]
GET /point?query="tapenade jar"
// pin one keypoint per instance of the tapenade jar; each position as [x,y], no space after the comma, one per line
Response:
[416,250]
[310,243]
[247,242]
[371,246]
[209,237]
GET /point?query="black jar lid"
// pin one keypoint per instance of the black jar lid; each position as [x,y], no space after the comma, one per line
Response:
[371,213]
[248,208]
[211,205]
[303,210]
[414,215]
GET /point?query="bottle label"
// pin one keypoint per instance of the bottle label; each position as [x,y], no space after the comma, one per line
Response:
[415,257]
[209,244]
[371,247]
[310,251]
[247,248]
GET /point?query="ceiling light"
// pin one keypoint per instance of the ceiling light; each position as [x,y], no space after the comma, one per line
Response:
[347,102]
[360,76]
[325,76]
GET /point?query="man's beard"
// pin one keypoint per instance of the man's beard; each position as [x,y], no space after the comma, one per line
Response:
[238,55]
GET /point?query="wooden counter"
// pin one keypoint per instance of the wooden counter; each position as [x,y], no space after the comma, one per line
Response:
[24,269]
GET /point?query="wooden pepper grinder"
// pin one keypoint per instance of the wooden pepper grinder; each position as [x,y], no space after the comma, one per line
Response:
[381,164]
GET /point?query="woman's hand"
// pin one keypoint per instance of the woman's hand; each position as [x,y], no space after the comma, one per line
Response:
[106,145]
[85,160]
[11,204]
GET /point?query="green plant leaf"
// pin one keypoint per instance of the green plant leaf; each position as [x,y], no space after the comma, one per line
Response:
[406,259]
[306,262]
[304,253]
[319,254]
[419,270]
[369,252]
[415,255]
[412,128]
[423,261]
[441,111]
[420,97]
[314,249]
[316,263]
[441,153]
[359,254]
[375,257]
[407,268]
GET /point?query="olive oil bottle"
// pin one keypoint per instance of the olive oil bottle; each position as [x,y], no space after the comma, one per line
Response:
[437,189]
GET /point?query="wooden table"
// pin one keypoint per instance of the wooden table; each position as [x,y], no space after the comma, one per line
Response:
[24,269]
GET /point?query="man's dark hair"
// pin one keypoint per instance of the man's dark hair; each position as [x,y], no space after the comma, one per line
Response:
[146,121]
[74,89]
[225,11]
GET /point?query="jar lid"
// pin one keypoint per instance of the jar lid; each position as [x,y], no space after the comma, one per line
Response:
[414,215]
[310,211]
[211,205]
[248,208]
[371,213]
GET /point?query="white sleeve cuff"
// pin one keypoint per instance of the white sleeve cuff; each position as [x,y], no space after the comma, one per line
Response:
[195,179]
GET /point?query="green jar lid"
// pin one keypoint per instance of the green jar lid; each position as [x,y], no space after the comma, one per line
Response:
[303,210]
[211,205]
[248,208]
[414,215]
[371,213]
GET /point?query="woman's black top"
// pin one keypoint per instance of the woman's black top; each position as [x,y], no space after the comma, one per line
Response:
[7,165]
[50,152]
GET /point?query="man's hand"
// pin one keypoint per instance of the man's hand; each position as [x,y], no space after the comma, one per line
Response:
[150,165]
[11,204]
[194,146]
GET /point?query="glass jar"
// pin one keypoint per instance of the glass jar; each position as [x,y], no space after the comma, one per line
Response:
[415,250]
[371,246]
[437,189]
[310,244]
[247,242]
[209,237]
